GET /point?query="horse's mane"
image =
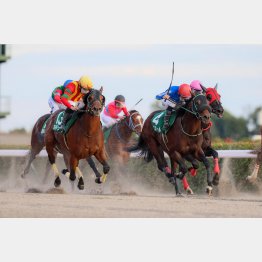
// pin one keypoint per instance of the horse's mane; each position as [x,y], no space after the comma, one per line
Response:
[132,111]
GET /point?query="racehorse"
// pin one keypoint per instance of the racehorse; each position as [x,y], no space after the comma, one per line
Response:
[84,139]
[253,176]
[119,137]
[184,139]
[213,98]
[38,143]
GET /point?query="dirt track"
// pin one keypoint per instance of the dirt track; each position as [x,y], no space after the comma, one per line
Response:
[80,205]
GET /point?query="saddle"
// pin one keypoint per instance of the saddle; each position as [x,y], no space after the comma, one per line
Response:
[157,121]
[58,123]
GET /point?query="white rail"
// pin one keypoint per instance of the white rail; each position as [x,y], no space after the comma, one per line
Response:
[221,153]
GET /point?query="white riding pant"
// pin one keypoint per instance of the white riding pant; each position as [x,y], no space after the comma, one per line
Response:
[56,106]
[167,103]
[107,120]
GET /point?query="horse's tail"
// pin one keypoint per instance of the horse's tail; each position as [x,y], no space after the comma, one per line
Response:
[143,148]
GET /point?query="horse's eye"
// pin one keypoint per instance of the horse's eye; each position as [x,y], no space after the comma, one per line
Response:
[209,97]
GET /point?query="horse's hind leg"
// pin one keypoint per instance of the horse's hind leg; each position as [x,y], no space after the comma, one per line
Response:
[30,158]
[52,157]
[202,158]
[47,170]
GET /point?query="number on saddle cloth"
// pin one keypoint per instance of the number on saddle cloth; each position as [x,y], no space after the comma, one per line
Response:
[59,120]
[157,121]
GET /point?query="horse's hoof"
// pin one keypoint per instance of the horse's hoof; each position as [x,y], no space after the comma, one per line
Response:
[57,182]
[103,178]
[179,195]
[80,184]
[23,175]
[250,179]
[215,181]
[72,177]
[209,190]
[189,191]
[64,171]
[97,180]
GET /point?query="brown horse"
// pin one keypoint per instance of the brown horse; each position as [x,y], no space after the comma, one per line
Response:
[213,98]
[84,139]
[119,137]
[38,144]
[184,139]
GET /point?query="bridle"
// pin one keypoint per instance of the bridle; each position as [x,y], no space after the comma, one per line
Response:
[195,112]
[88,104]
[128,121]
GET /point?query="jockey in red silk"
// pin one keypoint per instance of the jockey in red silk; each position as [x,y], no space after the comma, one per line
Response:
[110,114]
[73,94]
[54,101]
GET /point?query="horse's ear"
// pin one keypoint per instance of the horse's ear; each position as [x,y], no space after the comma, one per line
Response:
[101,89]
[203,88]
[216,86]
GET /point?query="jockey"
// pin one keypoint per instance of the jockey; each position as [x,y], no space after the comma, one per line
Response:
[54,101]
[110,114]
[196,87]
[73,93]
[174,99]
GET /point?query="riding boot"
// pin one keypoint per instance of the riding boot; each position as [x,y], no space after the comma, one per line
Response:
[105,129]
[167,118]
[67,116]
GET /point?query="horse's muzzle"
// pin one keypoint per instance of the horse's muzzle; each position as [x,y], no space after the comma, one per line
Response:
[205,119]
[96,111]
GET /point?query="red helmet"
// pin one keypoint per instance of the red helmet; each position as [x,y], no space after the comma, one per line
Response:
[185,91]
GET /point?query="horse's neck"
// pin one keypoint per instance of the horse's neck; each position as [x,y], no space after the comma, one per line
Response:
[85,123]
[124,131]
[190,123]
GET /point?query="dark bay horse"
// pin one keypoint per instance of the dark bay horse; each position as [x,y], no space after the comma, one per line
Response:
[120,137]
[184,139]
[84,139]
[213,98]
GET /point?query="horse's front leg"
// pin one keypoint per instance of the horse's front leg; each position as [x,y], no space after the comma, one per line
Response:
[177,158]
[92,164]
[201,157]
[101,157]
[211,152]
[254,174]
[75,169]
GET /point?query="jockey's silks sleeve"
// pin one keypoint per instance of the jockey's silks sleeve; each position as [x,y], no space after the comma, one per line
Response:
[72,92]
[113,111]
[56,94]
[173,93]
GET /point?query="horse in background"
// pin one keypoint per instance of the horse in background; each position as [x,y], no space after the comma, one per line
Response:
[184,139]
[253,176]
[119,138]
